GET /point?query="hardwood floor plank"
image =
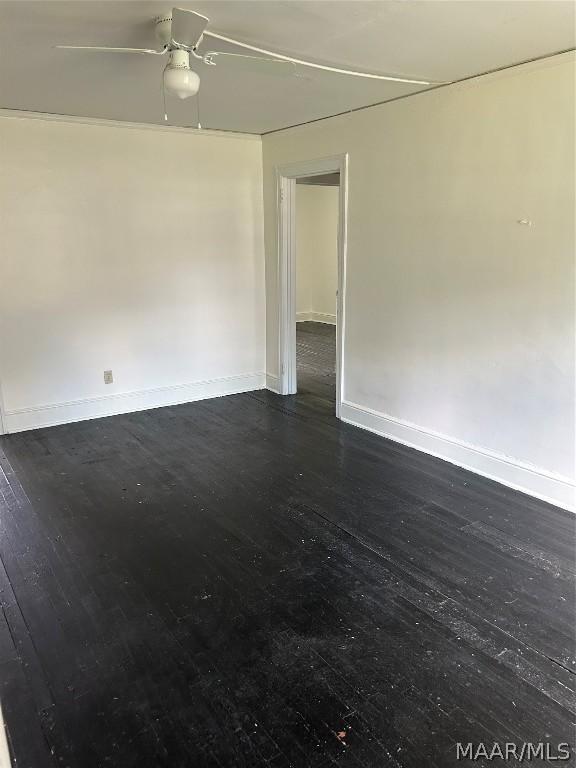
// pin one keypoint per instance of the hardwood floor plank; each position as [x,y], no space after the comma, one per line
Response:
[247,581]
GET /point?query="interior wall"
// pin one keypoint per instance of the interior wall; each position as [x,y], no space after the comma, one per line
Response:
[459,317]
[127,249]
[316,252]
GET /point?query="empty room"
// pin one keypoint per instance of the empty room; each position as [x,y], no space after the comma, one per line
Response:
[287,383]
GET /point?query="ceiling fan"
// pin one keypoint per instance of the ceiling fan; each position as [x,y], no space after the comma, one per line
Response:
[181,33]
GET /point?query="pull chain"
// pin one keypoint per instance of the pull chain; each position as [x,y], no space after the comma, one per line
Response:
[198,109]
[164,102]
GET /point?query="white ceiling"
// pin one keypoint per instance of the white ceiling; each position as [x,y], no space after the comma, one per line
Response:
[441,40]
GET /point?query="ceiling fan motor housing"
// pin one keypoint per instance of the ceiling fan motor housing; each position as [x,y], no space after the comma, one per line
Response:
[163,30]
[179,59]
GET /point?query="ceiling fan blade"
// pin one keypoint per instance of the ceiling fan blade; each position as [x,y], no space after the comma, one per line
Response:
[108,49]
[187,28]
[324,67]
[242,63]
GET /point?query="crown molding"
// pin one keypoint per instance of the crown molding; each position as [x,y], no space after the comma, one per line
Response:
[17,114]
[470,81]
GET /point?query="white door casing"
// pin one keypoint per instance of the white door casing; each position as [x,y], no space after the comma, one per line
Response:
[286,206]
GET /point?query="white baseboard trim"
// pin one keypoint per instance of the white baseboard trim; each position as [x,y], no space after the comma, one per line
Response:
[5,759]
[126,402]
[537,482]
[315,317]
[273,383]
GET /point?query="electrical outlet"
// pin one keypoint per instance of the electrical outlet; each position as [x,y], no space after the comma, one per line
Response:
[108,378]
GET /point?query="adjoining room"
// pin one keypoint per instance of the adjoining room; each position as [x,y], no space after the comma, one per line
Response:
[317,212]
[287,383]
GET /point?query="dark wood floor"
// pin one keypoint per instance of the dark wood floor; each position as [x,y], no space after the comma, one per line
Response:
[316,360]
[247,582]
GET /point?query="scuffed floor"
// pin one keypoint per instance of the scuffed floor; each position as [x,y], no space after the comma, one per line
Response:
[247,581]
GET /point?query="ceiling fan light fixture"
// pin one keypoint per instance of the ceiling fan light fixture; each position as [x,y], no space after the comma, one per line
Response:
[179,79]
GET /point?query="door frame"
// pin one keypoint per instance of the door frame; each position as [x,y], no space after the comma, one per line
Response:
[286,176]
[3,426]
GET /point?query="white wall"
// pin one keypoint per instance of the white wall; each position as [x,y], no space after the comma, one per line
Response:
[316,252]
[459,335]
[129,249]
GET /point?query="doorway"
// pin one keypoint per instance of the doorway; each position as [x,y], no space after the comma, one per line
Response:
[317,286]
[313,345]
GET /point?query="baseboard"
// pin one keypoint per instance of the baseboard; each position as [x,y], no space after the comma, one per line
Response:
[126,402]
[315,317]
[273,383]
[537,482]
